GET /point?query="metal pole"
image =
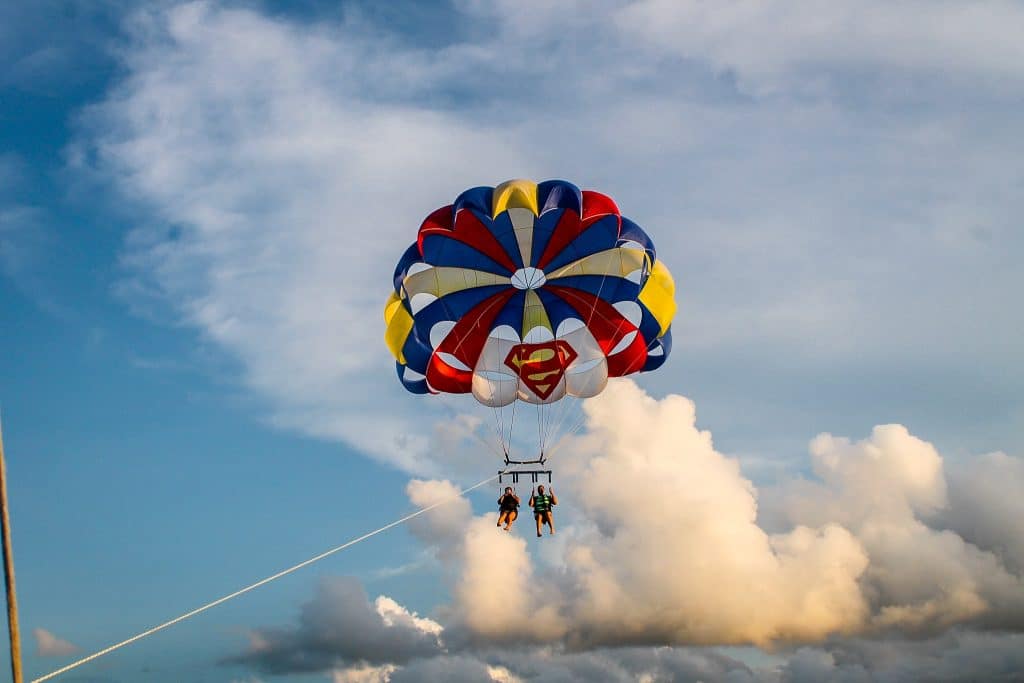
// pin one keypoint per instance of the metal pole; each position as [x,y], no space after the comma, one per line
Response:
[12,600]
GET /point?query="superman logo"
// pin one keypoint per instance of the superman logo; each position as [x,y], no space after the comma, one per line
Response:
[541,366]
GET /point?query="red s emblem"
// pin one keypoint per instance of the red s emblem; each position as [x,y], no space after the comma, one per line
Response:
[541,366]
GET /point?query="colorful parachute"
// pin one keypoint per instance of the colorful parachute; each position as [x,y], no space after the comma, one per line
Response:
[528,291]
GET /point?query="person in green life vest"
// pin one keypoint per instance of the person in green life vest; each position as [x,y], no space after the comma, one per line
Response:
[542,503]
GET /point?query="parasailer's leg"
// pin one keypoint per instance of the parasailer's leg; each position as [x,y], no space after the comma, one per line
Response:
[549,519]
[503,517]
[539,516]
[510,517]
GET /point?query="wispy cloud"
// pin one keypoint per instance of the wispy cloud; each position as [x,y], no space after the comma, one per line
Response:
[424,560]
[284,165]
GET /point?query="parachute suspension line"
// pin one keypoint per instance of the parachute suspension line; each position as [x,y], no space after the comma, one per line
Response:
[511,425]
[490,446]
[499,427]
[547,416]
[556,417]
[570,433]
[541,409]
[262,582]
[564,417]
[551,417]
[563,414]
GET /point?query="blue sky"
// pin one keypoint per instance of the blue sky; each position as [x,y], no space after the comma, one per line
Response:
[200,207]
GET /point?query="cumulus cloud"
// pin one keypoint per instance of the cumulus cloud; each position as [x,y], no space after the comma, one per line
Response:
[669,550]
[341,629]
[280,167]
[662,548]
[445,523]
[885,489]
[986,506]
[49,645]
[666,546]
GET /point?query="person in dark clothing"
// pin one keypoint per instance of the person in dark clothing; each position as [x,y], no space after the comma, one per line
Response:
[542,503]
[508,508]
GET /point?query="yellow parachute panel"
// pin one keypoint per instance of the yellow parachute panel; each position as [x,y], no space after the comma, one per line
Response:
[534,314]
[658,295]
[515,194]
[399,324]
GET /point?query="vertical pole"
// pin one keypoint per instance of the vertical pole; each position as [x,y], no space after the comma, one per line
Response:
[12,600]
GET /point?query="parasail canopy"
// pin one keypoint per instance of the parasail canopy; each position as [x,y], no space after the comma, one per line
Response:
[528,292]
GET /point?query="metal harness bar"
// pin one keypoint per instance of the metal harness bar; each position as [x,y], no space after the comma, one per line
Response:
[514,474]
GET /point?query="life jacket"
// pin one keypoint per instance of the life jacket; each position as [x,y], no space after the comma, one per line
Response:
[508,502]
[541,502]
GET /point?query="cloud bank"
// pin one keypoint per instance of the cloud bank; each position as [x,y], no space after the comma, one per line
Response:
[662,545]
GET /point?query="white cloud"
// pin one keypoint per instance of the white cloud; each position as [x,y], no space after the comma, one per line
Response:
[886,490]
[669,552]
[49,645]
[661,544]
[664,545]
[393,614]
[446,522]
[340,629]
[282,166]
[290,194]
